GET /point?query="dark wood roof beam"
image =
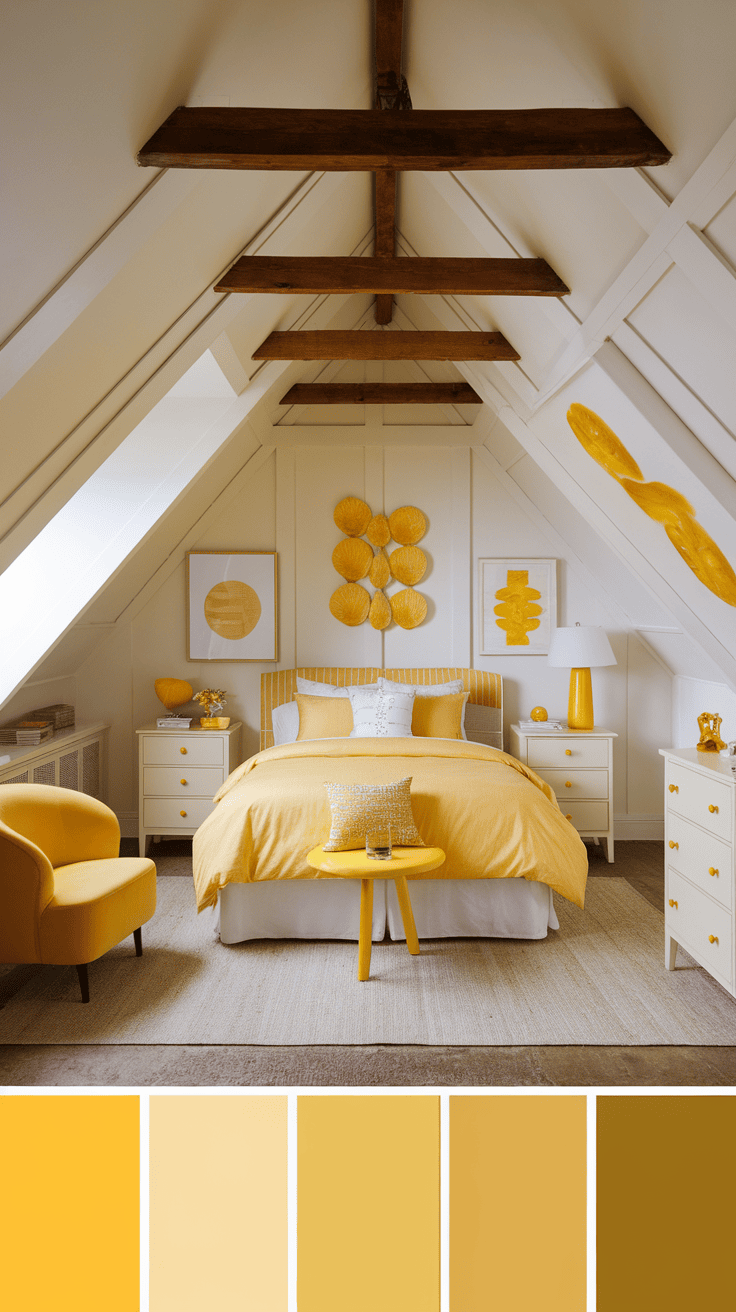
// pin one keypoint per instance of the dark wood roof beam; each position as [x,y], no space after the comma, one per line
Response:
[332,344]
[327,275]
[381,394]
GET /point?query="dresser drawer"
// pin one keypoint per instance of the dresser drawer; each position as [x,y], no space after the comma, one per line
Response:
[567,751]
[587,817]
[163,815]
[193,748]
[574,784]
[697,797]
[694,854]
[692,919]
[180,781]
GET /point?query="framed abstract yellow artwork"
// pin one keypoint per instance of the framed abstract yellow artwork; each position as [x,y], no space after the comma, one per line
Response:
[232,606]
[517,606]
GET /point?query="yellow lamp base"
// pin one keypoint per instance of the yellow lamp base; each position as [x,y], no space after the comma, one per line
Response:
[580,704]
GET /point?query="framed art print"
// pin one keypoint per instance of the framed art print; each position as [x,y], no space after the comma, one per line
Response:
[518,606]
[231,606]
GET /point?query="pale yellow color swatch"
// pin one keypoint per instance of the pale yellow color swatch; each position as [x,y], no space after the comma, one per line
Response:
[517,1204]
[69,1203]
[218,1200]
[368,1204]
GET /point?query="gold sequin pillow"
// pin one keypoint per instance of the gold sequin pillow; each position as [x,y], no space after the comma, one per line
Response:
[359,807]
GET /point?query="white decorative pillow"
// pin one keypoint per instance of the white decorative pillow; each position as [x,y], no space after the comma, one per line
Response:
[423,689]
[285,723]
[357,808]
[314,689]
[379,714]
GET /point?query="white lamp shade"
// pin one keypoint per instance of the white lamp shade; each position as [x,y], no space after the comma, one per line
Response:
[579,647]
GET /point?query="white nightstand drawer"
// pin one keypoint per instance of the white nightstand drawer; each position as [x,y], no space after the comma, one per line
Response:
[179,781]
[575,784]
[573,751]
[587,817]
[164,815]
[194,749]
[693,919]
[695,854]
[707,801]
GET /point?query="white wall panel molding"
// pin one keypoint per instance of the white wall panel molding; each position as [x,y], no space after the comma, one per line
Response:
[462,559]
[708,271]
[286,548]
[337,435]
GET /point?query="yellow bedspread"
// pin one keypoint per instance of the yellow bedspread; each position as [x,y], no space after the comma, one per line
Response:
[492,816]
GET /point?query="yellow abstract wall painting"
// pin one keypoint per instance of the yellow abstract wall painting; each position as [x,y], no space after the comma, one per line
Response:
[518,606]
[659,501]
[355,560]
[231,606]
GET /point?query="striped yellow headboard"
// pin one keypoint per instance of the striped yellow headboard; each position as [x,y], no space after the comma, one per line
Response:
[279,686]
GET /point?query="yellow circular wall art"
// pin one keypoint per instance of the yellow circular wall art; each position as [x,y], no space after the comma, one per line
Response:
[352,516]
[232,609]
[354,559]
[350,604]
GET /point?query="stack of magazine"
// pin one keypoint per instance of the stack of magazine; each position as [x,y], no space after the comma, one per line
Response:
[542,726]
[173,722]
[29,733]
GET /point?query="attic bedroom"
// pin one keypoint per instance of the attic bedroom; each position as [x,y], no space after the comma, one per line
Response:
[216,330]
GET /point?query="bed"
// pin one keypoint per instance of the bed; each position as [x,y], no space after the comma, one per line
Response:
[508,845]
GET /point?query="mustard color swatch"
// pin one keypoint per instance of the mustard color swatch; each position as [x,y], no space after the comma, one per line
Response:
[218,1203]
[518,1204]
[69,1203]
[666,1213]
[368,1204]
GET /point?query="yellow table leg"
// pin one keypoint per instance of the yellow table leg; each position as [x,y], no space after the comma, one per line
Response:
[407,915]
[366,928]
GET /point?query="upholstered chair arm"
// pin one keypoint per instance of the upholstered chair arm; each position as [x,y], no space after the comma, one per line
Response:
[26,888]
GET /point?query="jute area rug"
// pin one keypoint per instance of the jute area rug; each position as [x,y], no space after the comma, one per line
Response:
[599,979]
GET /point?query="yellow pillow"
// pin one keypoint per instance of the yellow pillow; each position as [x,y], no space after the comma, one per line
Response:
[324,717]
[439,717]
[358,807]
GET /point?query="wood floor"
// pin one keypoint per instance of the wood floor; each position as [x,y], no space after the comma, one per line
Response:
[381,1065]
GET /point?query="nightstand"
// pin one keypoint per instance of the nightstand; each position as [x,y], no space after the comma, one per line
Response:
[579,767]
[699,905]
[179,772]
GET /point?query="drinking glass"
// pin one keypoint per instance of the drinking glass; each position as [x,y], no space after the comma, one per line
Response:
[378,843]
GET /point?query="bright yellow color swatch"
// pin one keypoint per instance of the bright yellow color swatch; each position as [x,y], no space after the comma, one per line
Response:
[518,1204]
[218,1218]
[368,1204]
[665,1212]
[518,608]
[69,1203]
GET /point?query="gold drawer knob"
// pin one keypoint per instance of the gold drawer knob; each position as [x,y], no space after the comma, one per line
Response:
[568,817]
[713,810]
[674,788]
[182,781]
[673,843]
[183,751]
[568,784]
[568,752]
[712,870]
[182,813]
[712,938]
[673,903]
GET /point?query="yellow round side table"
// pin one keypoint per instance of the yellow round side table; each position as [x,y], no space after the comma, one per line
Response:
[356,865]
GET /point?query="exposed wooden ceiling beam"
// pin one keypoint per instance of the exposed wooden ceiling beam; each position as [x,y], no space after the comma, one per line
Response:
[344,140]
[324,275]
[381,394]
[356,345]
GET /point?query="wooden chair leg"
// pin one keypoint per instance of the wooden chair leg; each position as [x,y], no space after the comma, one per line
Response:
[138,940]
[407,915]
[83,982]
[366,928]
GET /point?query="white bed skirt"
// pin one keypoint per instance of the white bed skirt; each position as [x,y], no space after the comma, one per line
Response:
[329,908]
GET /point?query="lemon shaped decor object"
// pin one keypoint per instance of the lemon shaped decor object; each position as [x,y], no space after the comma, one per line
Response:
[232,609]
[658,501]
[408,564]
[352,559]
[539,714]
[408,525]
[380,611]
[379,572]
[173,692]
[379,531]
[350,604]
[352,516]
[408,608]
[705,559]
[601,442]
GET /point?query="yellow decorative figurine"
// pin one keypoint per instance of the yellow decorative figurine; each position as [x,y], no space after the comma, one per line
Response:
[539,714]
[710,736]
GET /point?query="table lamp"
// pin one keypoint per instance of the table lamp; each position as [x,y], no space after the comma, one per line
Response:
[579,648]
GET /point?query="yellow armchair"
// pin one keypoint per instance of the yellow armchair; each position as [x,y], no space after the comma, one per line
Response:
[66,897]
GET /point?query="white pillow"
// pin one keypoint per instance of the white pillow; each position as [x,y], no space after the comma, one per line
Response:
[430,690]
[314,689]
[381,714]
[285,721]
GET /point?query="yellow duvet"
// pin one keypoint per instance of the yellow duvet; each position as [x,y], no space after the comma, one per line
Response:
[492,816]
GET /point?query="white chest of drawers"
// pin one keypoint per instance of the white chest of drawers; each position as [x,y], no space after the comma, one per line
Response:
[700,806]
[179,772]
[579,767]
